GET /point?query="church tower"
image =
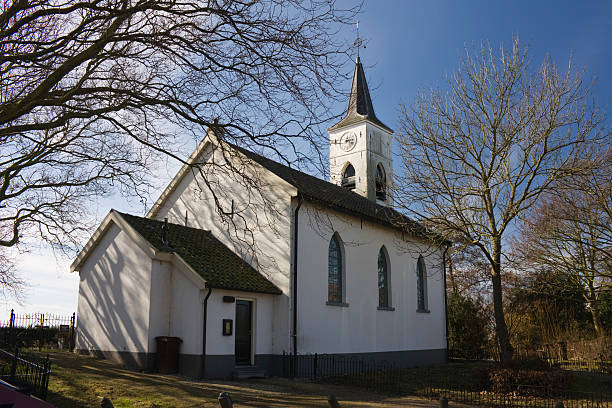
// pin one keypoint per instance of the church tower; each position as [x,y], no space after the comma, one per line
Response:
[360,146]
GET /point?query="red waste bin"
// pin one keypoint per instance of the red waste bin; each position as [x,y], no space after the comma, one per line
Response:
[166,357]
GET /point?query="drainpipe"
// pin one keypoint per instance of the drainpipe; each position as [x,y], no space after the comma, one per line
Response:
[204,331]
[445,298]
[295,272]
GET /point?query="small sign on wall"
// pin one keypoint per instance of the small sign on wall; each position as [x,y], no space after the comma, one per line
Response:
[227,327]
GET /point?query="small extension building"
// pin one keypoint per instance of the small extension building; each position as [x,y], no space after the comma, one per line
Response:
[296,265]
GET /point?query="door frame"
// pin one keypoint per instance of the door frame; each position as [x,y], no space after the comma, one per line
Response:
[253,327]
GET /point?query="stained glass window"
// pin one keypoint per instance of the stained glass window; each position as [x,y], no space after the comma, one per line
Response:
[421,284]
[334,266]
[383,281]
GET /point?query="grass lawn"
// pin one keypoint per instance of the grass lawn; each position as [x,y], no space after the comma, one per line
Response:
[81,381]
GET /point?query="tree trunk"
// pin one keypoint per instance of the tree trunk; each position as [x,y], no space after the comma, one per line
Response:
[501,330]
[451,272]
[596,321]
[593,307]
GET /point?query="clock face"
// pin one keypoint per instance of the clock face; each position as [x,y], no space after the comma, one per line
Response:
[348,141]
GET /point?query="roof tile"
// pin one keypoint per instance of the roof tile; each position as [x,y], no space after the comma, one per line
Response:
[210,258]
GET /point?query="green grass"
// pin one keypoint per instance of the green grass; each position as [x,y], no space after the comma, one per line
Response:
[467,382]
[81,381]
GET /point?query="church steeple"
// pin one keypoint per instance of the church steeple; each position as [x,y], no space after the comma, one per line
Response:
[360,145]
[360,105]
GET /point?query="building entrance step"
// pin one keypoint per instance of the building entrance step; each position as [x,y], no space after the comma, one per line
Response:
[243,373]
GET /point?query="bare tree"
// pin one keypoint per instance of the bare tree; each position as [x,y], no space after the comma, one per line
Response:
[92,93]
[467,270]
[570,232]
[10,281]
[477,157]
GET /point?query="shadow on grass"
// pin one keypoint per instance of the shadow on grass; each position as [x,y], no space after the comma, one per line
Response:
[82,381]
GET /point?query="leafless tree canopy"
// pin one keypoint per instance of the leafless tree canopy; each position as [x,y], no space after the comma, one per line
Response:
[92,92]
[478,156]
[570,232]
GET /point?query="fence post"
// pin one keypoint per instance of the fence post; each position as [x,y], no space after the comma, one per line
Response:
[40,341]
[11,338]
[14,365]
[292,365]
[72,333]
[316,358]
[225,401]
[333,402]
[45,379]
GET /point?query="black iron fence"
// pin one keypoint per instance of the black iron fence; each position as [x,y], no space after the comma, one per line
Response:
[434,383]
[38,330]
[597,366]
[28,372]
[378,375]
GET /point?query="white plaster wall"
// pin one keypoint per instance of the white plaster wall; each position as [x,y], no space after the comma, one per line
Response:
[186,313]
[268,221]
[161,298]
[217,344]
[360,327]
[114,296]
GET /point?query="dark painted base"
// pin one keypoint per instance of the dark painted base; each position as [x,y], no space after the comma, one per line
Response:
[305,365]
[222,366]
[407,358]
[134,361]
[189,365]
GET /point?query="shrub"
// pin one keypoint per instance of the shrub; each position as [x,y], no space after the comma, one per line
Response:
[27,337]
[467,327]
[530,363]
[529,381]
[480,378]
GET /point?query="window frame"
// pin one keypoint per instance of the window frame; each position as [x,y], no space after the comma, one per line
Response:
[384,255]
[421,284]
[346,181]
[341,276]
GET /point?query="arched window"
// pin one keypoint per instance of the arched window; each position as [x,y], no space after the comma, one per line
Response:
[421,285]
[334,268]
[383,279]
[348,177]
[381,182]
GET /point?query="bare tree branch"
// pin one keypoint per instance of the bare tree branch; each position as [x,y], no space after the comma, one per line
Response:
[93,93]
[480,155]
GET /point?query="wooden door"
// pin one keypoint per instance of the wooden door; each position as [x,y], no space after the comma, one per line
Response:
[244,331]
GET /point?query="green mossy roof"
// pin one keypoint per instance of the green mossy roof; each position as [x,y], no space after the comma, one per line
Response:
[210,258]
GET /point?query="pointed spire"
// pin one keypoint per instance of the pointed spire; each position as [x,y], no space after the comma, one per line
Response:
[360,104]
[360,101]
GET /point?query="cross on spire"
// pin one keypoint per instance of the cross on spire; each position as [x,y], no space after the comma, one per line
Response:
[358,42]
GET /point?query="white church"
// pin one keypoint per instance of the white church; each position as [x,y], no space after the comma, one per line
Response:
[294,264]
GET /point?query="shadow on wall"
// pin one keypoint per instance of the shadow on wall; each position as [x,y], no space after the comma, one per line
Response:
[112,314]
[259,229]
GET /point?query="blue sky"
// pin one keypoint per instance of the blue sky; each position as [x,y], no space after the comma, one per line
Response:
[411,46]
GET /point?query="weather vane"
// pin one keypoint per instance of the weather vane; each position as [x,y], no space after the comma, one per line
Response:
[358,41]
